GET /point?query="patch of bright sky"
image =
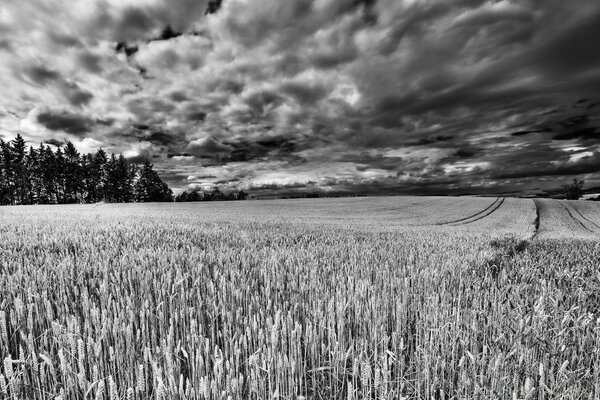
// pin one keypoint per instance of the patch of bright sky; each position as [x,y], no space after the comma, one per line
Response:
[414,152]
[578,156]
[466,167]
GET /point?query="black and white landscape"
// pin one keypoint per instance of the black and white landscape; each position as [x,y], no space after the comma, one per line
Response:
[302,199]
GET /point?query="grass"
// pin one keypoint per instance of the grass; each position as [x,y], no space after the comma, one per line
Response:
[162,302]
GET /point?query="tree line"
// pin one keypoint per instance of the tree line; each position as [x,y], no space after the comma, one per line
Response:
[42,176]
[215,195]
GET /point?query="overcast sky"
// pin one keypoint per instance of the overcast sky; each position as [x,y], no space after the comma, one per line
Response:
[378,96]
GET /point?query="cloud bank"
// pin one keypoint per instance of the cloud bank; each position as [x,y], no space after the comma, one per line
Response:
[376,96]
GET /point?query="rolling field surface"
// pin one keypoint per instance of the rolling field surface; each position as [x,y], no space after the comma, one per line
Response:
[353,298]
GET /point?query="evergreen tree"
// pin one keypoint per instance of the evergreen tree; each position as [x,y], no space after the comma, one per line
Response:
[34,176]
[19,169]
[8,172]
[215,195]
[72,174]
[149,187]
[97,175]
[88,184]
[110,180]
[4,191]
[44,176]
[49,194]
[125,175]
[59,176]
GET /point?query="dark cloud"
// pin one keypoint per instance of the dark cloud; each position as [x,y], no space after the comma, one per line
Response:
[199,177]
[55,142]
[431,140]
[343,52]
[6,45]
[91,62]
[366,161]
[196,116]
[135,24]
[75,95]
[267,148]
[179,96]
[213,6]
[150,110]
[65,121]
[570,50]
[585,165]
[468,152]
[154,135]
[369,13]
[65,39]
[160,138]
[262,148]
[589,133]
[261,100]
[374,96]
[41,74]
[305,94]
[568,124]
[167,34]
[123,47]
[523,133]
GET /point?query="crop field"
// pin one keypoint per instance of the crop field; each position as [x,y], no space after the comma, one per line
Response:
[350,298]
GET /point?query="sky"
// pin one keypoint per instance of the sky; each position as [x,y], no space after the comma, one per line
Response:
[338,96]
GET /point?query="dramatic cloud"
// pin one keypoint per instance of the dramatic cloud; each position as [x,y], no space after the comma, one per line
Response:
[377,96]
[65,121]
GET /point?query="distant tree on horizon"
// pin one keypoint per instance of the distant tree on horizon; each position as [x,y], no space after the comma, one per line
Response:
[574,190]
[42,176]
[214,195]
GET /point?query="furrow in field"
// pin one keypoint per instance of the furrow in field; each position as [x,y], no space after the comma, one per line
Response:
[473,215]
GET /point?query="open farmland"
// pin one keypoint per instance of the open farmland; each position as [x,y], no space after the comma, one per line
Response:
[354,298]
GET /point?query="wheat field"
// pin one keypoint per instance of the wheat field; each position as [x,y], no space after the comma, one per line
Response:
[362,298]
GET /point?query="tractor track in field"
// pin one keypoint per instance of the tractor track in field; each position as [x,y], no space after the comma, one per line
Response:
[586,218]
[477,214]
[578,221]
[482,216]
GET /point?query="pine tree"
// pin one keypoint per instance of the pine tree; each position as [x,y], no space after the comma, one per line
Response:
[59,176]
[87,184]
[49,193]
[110,180]
[125,174]
[19,168]
[9,175]
[149,187]
[44,176]
[3,177]
[98,175]
[72,174]
[34,176]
